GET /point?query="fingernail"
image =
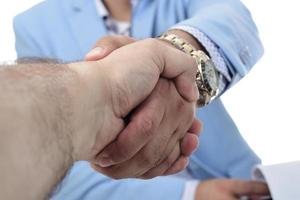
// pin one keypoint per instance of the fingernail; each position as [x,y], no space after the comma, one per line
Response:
[104,160]
[96,52]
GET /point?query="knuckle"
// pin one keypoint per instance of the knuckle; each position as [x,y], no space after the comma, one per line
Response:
[146,124]
[119,96]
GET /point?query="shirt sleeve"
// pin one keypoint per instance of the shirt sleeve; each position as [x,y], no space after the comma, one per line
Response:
[230,26]
[213,51]
[190,190]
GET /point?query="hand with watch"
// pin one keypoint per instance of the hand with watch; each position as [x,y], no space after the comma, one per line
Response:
[207,78]
[207,85]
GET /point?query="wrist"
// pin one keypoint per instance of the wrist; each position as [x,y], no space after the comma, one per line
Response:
[90,103]
[201,191]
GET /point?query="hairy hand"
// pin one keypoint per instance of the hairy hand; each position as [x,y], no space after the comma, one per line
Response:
[161,132]
[226,189]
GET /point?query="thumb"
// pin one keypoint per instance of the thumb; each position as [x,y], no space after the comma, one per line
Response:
[106,45]
[183,69]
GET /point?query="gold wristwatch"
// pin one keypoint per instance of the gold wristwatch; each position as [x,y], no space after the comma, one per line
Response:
[207,77]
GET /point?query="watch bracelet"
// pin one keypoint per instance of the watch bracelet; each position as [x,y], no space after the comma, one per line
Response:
[187,48]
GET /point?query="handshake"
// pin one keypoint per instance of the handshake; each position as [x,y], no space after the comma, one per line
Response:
[134,108]
[128,109]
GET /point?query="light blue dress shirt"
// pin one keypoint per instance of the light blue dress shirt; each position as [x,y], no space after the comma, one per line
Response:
[115,27]
[68,29]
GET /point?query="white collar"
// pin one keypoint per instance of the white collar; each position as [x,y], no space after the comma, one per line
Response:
[103,12]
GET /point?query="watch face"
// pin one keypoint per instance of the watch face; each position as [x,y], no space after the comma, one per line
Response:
[210,75]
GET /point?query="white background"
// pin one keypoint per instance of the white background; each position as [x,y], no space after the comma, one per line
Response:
[265,105]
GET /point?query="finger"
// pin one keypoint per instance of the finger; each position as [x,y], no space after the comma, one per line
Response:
[167,133]
[147,158]
[111,134]
[189,144]
[137,133]
[144,160]
[107,45]
[184,121]
[96,53]
[187,87]
[179,165]
[196,127]
[164,145]
[249,188]
[165,165]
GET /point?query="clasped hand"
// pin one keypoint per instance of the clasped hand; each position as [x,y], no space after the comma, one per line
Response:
[147,124]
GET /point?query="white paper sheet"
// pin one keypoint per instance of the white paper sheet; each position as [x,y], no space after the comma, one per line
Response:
[282,179]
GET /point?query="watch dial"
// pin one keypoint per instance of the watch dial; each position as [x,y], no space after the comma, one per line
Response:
[210,75]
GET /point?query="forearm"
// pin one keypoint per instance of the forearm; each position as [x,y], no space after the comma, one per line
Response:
[35,130]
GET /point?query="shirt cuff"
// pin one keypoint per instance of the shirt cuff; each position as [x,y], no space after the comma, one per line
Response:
[213,51]
[190,190]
